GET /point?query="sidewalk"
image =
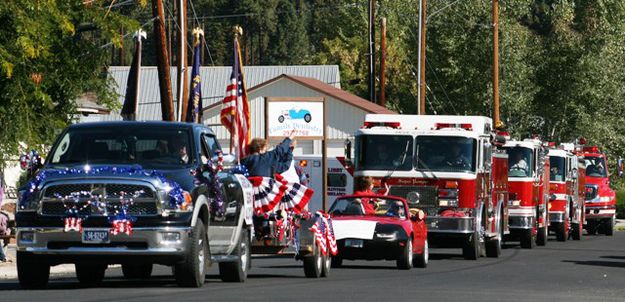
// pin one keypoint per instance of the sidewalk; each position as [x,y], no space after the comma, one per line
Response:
[8,270]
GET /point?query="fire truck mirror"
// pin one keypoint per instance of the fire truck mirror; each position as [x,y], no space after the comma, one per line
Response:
[348,151]
[574,173]
[620,166]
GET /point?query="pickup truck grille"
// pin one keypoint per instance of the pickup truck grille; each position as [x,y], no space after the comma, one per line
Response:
[56,197]
[428,195]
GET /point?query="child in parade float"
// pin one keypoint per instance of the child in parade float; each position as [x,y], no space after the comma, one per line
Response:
[261,162]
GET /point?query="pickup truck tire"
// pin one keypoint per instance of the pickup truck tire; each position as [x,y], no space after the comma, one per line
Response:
[337,261]
[404,261]
[90,274]
[313,264]
[192,271]
[32,274]
[236,271]
[137,271]
[421,260]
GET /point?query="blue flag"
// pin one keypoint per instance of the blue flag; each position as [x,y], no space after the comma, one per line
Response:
[194,108]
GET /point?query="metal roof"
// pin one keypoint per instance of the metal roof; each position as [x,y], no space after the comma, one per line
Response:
[214,81]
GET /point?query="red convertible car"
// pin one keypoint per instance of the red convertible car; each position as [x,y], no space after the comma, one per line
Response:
[392,231]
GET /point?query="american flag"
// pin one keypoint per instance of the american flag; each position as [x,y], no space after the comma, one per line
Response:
[319,230]
[73,224]
[121,226]
[330,237]
[235,112]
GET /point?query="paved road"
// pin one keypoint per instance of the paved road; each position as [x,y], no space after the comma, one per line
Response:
[590,270]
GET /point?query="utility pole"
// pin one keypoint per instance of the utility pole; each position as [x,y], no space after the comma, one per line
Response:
[422,30]
[162,60]
[383,64]
[496,119]
[181,78]
[372,97]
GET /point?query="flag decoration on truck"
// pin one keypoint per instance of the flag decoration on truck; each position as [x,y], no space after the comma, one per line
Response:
[271,192]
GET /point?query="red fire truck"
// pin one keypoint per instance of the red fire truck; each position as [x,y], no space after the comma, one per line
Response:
[528,177]
[447,167]
[566,193]
[600,198]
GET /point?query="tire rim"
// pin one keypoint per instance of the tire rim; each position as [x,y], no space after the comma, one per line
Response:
[244,255]
[328,262]
[200,256]
[409,250]
[319,260]
[426,252]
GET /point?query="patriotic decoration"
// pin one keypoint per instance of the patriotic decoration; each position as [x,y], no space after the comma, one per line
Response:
[131,99]
[175,192]
[271,192]
[235,112]
[73,224]
[214,186]
[324,234]
[121,226]
[30,160]
[193,114]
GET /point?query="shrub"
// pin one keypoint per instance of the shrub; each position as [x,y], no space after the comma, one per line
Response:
[620,204]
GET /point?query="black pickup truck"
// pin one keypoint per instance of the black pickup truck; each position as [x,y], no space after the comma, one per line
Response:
[135,194]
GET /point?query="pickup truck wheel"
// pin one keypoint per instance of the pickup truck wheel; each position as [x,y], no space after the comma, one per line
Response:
[90,274]
[421,260]
[404,261]
[236,271]
[327,264]
[337,262]
[137,271]
[313,264]
[609,227]
[31,273]
[192,271]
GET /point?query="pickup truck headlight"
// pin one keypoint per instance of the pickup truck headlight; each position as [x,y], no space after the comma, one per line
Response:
[165,199]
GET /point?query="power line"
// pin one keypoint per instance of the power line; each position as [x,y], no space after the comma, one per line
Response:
[203,36]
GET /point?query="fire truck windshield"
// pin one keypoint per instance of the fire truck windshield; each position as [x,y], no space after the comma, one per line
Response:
[384,152]
[595,166]
[557,168]
[520,161]
[445,153]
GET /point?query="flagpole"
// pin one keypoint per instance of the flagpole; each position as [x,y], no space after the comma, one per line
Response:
[238,31]
[140,34]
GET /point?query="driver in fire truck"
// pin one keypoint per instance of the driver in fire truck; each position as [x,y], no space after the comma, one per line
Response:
[456,158]
[520,164]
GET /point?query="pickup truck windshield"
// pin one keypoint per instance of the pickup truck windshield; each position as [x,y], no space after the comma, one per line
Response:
[117,145]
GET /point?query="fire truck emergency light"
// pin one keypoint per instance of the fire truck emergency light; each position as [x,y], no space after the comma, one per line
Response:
[394,125]
[593,149]
[465,126]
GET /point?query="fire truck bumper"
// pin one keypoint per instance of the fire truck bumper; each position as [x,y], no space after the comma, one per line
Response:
[521,218]
[598,213]
[556,217]
[449,225]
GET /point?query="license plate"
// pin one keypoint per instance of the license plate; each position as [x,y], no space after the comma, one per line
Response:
[95,236]
[353,243]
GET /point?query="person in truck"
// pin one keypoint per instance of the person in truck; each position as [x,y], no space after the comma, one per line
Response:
[261,162]
[456,159]
[180,148]
[520,164]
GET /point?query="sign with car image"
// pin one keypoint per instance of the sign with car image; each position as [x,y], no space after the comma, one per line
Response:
[303,115]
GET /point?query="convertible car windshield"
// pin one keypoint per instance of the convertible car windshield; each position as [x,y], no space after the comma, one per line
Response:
[353,206]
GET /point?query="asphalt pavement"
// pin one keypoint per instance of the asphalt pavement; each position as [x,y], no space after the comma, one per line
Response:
[589,270]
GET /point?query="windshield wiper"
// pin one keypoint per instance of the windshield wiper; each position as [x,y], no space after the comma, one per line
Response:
[403,160]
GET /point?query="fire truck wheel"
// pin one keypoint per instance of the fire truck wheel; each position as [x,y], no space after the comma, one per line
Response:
[541,238]
[576,231]
[493,247]
[313,265]
[405,258]
[562,232]
[31,273]
[527,239]
[90,274]
[421,260]
[471,248]
[337,262]
[609,227]
[327,264]
[591,228]
[236,271]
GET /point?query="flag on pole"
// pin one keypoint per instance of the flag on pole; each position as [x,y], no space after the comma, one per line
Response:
[131,99]
[193,114]
[235,113]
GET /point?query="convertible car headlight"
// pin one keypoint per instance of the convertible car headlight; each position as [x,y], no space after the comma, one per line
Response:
[387,236]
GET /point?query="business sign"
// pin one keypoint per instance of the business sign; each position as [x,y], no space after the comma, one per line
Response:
[284,115]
